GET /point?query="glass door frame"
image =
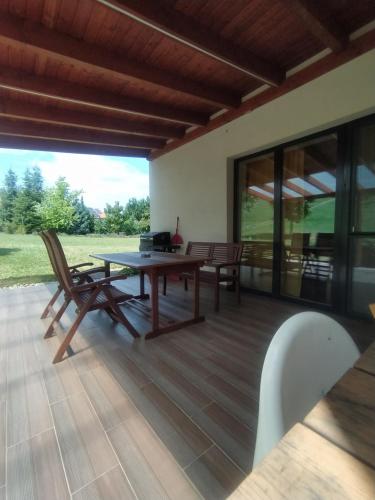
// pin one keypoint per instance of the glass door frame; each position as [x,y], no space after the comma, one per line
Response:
[351,233]
[343,208]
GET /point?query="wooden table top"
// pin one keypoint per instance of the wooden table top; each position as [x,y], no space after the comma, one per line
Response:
[157,259]
[346,416]
[332,453]
[367,361]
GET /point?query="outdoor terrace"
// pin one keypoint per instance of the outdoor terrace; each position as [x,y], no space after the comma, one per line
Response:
[174,417]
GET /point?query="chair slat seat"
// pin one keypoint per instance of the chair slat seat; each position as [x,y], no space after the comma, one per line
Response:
[101,299]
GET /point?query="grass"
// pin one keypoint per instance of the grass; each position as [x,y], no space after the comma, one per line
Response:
[24,260]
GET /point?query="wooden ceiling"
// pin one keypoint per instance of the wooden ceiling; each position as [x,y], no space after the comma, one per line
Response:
[139,78]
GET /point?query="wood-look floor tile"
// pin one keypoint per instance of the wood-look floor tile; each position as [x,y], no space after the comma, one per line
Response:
[61,379]
[35,470]
[214,475]
[179,447]
[2,442]
[142,455]
[85,450]
[198,441]
[224,438]
[27,405]
[113,485]
[110,402]
[3,363]
[129,366]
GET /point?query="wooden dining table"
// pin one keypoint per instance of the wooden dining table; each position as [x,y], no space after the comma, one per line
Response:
[154,265]
[331,453]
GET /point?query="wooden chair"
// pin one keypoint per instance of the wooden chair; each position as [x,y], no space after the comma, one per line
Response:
[220,256]
[194,249]
[89,296]
[372,309]
[80,276]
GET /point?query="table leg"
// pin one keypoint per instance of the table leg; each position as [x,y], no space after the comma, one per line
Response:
[107,269]
[196,293]
[142,283]
[155,301]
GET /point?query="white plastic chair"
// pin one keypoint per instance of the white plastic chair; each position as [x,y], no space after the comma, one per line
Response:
[306,357]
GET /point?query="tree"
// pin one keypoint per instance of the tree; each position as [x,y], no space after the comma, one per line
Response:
[26,214]
[84,220]
[114,218]
[57,209]
[8,196]
[137,216]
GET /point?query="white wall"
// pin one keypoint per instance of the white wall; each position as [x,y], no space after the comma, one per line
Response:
[194,181]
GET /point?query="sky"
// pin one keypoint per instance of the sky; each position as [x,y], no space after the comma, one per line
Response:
[102,179]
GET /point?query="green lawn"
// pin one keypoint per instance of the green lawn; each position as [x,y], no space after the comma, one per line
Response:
[24,260]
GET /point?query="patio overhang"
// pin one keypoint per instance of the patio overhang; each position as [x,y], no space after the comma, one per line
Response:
[127,78]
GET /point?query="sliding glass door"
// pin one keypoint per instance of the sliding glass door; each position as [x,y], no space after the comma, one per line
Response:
[256,178]
[362,230]
[308,219]
[306,216]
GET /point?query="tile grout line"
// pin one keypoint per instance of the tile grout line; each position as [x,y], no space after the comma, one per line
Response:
[55,433]
[128,397]
[93,480]
[203,432]
[199,456]
[29,438]
[195,424]
[107,438]
[53,422]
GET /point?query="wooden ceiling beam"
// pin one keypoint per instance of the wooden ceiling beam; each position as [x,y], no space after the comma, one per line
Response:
[55,89]
[18,32]
[43,131]
[188,31]
[356,47]
[11,108]
[322,27]
[69,147]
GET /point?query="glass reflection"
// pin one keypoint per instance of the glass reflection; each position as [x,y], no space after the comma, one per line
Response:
[308,215]
[256,188]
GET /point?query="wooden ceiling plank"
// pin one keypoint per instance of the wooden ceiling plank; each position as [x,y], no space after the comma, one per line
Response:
[55,89]
[18,32]
[322,27]
[355,48]
[42,131]
[186,30]
[69,147]
[80,119]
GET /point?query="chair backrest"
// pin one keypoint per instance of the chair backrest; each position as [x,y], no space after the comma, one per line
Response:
[59,259]
[199,249]
[306,357]
[299,241]
[325,240]
[257,254]
[227,252]
[50,254]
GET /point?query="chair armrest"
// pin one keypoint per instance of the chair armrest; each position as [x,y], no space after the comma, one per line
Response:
[93,270]
[96,283]
[224,264]
[77,266]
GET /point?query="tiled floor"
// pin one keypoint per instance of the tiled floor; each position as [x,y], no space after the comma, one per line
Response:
[174,417]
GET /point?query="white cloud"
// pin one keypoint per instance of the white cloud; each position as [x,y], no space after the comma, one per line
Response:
[102,179]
